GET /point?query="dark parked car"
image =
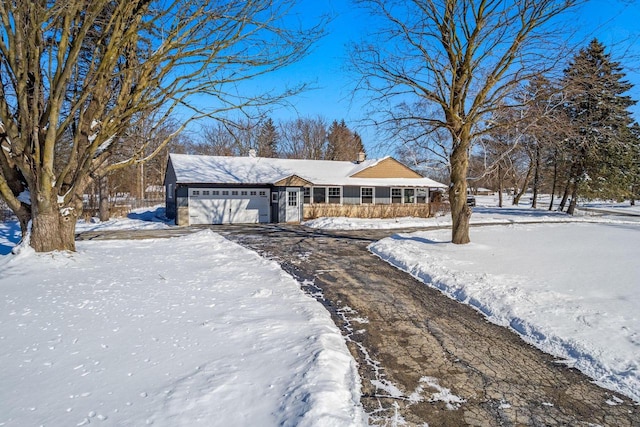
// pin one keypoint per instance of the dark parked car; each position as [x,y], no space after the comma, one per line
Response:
[471,200]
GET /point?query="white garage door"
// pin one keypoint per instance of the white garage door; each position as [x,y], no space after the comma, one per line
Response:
[228,206]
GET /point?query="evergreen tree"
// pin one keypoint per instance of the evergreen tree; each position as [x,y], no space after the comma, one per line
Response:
[268,139]
[343,144]
[598,148]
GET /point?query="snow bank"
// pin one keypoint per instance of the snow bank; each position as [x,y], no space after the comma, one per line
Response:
[188,331]
[570,289]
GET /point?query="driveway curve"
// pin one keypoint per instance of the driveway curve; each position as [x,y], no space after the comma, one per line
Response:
[424,358]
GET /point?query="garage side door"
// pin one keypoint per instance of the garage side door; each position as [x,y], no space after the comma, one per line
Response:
[227,206]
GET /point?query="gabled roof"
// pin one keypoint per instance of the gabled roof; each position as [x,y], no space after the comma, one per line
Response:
[190,169]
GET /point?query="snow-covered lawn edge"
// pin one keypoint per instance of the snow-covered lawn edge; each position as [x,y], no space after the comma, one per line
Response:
[486,212]
[151,218]
[590,326]
[191,331]
[511,217]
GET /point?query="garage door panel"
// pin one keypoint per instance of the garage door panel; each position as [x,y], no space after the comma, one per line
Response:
[216,207]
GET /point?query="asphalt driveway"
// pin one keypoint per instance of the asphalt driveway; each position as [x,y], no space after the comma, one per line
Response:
[423,356]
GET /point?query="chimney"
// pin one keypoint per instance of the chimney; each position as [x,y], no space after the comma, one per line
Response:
[361,157]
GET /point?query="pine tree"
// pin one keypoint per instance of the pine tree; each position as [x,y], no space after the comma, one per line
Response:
[268,139]
[343,144]
[598,112]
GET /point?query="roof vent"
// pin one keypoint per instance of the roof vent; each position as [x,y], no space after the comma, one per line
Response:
[253,153]
[361,157]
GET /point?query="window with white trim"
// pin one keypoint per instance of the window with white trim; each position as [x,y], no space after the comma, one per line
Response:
[366,195]
[409,195]
[170,191]
[274,197]
[319,194]
[195,193]
[244,193]
[334,195]
[205,192]
[306,195]
[234,193]
[396,195]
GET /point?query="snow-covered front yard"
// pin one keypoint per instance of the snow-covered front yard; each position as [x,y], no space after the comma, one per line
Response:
[197,330]
[171,332]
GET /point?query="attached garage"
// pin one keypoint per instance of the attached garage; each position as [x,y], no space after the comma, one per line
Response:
[229,206]
[251,190]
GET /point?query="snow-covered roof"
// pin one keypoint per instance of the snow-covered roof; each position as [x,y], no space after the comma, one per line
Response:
[191,169]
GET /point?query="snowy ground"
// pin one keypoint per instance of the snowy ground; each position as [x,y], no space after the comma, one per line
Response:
[487,211]
[572,290]
[171,332]
[117,335]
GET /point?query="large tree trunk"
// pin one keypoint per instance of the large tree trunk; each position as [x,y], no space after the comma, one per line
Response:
[53,227]
[24,216]
[460,211]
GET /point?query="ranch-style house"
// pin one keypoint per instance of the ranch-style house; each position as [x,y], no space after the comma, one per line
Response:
[244,190]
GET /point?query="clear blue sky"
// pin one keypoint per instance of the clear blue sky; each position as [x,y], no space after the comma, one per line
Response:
[616,23]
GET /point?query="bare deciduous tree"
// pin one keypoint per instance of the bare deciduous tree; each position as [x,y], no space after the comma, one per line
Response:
[463,56]
[80,73]
[304,138]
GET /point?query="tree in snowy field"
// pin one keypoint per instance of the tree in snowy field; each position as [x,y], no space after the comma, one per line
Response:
[343,143]
[522,136]
[599,152]
[80,73]
[464,57]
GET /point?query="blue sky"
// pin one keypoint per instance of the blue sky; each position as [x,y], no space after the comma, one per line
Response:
[616,23]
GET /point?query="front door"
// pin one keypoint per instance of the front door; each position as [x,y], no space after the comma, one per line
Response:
[294,207]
